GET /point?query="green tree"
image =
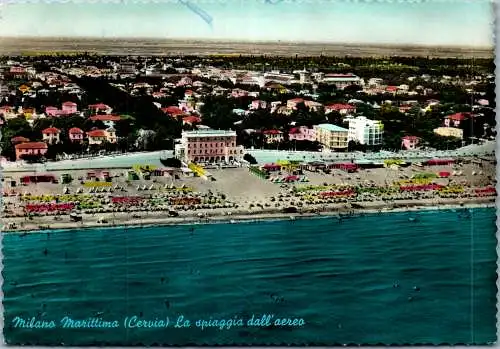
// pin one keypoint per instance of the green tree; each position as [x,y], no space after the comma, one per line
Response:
[248,157]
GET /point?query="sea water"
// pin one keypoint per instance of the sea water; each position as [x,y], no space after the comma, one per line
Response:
[419,277]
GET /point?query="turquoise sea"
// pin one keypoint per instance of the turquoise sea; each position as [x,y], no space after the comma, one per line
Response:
[397,278]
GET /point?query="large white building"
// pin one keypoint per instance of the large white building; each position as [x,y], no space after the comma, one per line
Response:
[208,146]
[365,131]
[342,80]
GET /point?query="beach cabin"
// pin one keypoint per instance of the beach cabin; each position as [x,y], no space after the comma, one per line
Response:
[105,176]
[349,167]
[316,166]
[271,167]
[160,172]
[439,162]
[38,179]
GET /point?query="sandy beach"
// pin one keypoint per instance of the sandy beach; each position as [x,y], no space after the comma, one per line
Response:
[158,219]
[234,194]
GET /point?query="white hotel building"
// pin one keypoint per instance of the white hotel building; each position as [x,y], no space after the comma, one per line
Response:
[208,146]
[365,131]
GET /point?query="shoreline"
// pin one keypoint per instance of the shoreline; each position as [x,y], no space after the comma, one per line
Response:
[338,211]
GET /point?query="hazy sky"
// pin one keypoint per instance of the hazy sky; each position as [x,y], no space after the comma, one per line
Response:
[429,22]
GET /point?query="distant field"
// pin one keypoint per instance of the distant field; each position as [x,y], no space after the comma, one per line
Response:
[33,46]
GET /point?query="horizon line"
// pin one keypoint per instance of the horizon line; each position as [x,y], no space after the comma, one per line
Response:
[246,41]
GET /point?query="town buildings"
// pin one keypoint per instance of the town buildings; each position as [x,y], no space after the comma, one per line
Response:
[454,125]
[67,108]
[332,137]
[410,142]
[98,137]
[258,104]
[107,120]
[341,81]
[291,104]
[100,107]
[272,136]
[51,135]
[365,131]
[208,146]
[302,133]
[75,135]
[8,112]
[34,95]
[342,108]
[456,120]
[30,148]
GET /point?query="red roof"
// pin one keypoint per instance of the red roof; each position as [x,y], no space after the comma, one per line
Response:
[98,106]
[294,130]
[19,139]
[392,88]
[340,106]
[271,132]
[69,103]
[32,145]
[271,165]
[191,119]
[188,92]
[296,100]
[411,138]
[51,130]
[97,133]
[105,117]
[75,130]
[459,116]
[172,110]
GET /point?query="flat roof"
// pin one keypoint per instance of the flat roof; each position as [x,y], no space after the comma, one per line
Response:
[332,127]
[208,133]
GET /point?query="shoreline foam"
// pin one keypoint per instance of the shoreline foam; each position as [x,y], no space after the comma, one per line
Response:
[269,215]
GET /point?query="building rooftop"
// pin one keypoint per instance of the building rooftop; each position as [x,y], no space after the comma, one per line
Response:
[97,133]
[105,117]
[208,133]
[333,128]
[51,130]
[75,130]
[31,145]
